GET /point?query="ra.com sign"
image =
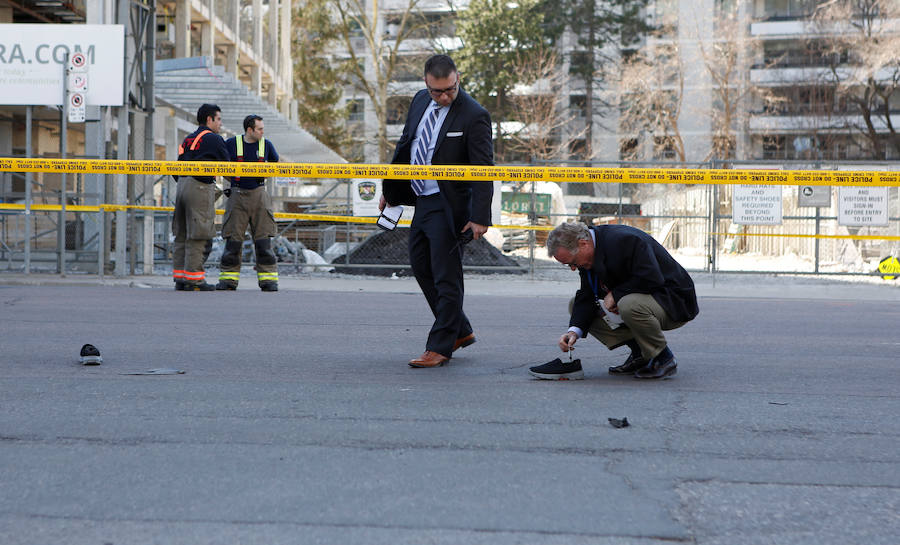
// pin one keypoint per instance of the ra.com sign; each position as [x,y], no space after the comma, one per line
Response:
[33,62]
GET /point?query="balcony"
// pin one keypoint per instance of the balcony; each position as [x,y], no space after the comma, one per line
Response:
[771,124]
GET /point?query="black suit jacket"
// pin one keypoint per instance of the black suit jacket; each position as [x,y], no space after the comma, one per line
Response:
[471,143]
[628,260]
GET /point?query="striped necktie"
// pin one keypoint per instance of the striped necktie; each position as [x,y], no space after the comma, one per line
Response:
[422,149]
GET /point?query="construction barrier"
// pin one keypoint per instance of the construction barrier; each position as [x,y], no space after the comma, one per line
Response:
[372,220]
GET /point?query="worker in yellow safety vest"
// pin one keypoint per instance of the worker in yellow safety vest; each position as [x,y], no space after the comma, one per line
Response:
[249,204]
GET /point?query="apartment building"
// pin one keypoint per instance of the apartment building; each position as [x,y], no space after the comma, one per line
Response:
[785,107]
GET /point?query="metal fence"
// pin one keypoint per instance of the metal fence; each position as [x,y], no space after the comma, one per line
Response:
[694,222]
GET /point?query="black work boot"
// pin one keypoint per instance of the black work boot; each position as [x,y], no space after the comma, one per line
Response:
[202,286]
[269,286]
[223,285]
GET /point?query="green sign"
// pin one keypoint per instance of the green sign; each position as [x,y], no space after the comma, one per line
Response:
[521,203]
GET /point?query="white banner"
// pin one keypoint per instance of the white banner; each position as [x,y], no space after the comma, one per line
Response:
[757,205]
[32,62]
[861,206]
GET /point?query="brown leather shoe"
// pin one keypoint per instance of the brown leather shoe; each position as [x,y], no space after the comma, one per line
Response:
[463,342]
[429,359]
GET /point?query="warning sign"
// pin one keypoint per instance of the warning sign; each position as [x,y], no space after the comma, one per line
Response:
[889,267]
[76,108]
[863,206]
[757,205]
[77,61]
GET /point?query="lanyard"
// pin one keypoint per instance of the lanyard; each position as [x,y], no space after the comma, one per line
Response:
[596,284]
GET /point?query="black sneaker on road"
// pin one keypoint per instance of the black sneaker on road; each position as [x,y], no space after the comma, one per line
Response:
[558,370]
[90,355]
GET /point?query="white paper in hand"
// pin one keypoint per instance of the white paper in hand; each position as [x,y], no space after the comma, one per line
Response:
[389,217]
[612,319]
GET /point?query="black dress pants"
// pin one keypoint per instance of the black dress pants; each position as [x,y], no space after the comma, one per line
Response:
[436,262]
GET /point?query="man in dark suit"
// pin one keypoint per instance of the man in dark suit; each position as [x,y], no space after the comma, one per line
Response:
[444,126]
[625,271]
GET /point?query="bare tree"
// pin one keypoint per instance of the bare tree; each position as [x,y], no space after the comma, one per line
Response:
[359,20]
[861,45]
[542,117]
[727,54]
[651,91]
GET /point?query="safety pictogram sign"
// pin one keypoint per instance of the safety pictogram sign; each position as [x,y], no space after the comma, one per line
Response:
[78,61]
[77,82]
[76,107]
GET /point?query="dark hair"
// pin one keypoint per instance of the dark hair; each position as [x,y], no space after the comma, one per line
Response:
[250,121]
[439,66]
[207,110]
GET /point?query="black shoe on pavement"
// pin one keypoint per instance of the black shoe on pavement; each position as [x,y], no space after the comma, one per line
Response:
[558,370]
[269,286]
[658,369]
[179,285]
[90,355]
[632,364]
[222,285]
[203,286]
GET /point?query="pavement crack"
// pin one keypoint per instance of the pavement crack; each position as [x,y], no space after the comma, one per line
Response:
[349,525]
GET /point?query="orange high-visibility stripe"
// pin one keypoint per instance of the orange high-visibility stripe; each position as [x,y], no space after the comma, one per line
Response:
[198,138]
[195,142]
[194,275]
[178,274]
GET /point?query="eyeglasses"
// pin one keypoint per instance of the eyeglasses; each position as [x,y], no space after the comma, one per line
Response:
[438,92]
[571,262]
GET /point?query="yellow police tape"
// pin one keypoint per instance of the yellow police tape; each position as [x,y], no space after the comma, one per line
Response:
[459,172]
[359,219]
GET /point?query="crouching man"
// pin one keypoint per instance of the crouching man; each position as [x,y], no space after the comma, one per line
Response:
[631,291]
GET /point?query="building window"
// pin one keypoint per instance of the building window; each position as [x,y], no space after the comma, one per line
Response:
[629,149]
[773,147]
[788,9]
[356,110]
[664,148]
[409,68]
[578,149]
[578,106]
[781,54]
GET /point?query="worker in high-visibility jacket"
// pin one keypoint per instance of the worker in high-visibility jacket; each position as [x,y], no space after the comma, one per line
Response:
[249,204]
[193,223]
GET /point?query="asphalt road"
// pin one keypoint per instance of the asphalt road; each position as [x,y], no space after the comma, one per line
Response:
[297,419]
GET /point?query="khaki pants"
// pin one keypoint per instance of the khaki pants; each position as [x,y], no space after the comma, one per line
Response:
[193,225]
[644,320]
[253,208]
